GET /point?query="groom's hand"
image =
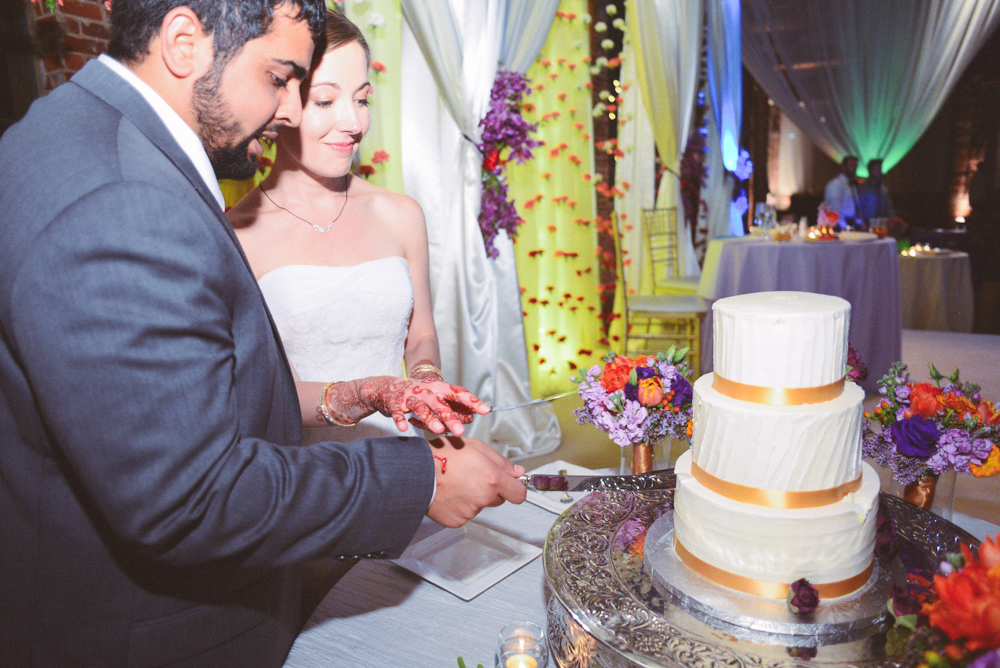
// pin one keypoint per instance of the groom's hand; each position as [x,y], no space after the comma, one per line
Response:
[436,406]
[470,476]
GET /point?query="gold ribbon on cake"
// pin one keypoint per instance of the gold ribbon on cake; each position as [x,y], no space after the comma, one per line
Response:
[773,498]
[763,587]
[778,396]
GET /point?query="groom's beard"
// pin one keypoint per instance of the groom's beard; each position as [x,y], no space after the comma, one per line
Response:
[218,130]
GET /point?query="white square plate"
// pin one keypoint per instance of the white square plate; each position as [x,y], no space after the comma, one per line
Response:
[552,501]
[467,561]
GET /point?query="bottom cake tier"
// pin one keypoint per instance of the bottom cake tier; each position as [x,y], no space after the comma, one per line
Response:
[761,550]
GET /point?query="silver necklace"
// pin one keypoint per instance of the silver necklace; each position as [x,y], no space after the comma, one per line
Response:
[314,225]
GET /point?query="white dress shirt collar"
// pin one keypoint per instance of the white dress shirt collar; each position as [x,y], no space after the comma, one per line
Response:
[181,131]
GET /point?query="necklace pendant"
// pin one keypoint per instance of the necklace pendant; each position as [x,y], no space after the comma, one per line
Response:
[322,229]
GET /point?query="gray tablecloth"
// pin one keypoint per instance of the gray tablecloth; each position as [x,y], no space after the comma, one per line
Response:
[380,614]
[937,291]
[865,273]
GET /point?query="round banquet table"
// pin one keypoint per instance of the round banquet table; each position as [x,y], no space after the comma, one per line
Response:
[865,273]
[936,291]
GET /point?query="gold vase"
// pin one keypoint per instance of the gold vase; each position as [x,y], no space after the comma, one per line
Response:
[921,493]
[642,458]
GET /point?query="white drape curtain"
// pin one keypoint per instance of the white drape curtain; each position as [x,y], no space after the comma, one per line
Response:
[637,168]
[789,162]
[667,38]
[451,50]
[725,92]
[860,77]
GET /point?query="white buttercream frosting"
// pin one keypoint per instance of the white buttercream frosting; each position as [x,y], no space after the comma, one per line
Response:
[781,339]
[824,544]
[791,448]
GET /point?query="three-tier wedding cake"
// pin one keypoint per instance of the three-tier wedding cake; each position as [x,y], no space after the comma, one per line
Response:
[773,488]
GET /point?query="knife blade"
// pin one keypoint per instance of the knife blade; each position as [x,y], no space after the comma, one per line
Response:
[533,402]
[587,483]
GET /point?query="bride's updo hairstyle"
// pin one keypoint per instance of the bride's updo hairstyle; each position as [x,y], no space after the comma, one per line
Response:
[340,31]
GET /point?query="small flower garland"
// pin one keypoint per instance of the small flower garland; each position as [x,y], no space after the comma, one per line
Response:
[504,129]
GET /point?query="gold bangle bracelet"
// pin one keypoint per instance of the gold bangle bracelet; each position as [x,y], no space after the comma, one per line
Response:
[325,412]
[425,366]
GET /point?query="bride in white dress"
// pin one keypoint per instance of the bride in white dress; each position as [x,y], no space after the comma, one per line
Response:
[343,267]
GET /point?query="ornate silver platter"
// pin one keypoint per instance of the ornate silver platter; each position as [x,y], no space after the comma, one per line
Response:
[606,612]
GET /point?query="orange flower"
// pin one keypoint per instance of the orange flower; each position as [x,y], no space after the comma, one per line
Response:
[987,412]
[924,399]
[990,467]
[616,373]
[957,403]
[968,601]
[650,392]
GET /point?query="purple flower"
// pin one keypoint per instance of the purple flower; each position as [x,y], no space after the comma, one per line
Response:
[683,392]
[802,597]
[859,371]
[631,392]
[988,660]
[642,372]
[915,436]
[744,165]
[904,601]
[903,392]
[956,449]
[885,535]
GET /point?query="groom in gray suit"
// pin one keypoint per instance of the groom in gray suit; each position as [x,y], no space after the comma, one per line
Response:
[155,505]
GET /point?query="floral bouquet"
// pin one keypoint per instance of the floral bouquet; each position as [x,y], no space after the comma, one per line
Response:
[639,400]
[957,623]
[927,429]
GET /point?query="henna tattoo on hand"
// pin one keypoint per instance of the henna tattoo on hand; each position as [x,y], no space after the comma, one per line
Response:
[435,405]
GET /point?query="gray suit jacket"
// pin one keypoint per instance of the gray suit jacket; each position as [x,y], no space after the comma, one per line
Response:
[154,500]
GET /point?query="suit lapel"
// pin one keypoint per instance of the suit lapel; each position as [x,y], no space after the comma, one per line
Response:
[108,86]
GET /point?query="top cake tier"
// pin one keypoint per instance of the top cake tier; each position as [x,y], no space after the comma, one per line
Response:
[781,339]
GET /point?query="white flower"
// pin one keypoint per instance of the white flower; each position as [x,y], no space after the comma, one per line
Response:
[607,44]
[600,26]
[601,61]
[585,17]
[619,23]
[611,10]
[376,20]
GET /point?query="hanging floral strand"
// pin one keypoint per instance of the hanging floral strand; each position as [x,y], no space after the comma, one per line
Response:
[504,129]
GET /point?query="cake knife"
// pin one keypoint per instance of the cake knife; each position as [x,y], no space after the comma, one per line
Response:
[588,483]
[533,402]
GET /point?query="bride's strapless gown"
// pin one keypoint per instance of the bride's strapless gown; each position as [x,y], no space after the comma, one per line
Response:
[341,323]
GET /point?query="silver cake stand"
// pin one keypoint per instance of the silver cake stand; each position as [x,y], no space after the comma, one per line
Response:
[609,609]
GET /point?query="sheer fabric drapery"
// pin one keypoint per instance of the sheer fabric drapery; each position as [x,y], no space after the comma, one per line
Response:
[636,168]
[725,92]
[667,39]
[859,77]
[450,54]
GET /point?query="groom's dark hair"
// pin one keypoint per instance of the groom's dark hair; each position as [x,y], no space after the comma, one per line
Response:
[232,23]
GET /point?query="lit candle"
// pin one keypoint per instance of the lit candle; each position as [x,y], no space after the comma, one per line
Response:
[521,661]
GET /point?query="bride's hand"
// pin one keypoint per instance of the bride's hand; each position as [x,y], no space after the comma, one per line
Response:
[436,406]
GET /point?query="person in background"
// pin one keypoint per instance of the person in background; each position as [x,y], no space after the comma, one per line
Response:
[157,505]
[873,195]
[841,193]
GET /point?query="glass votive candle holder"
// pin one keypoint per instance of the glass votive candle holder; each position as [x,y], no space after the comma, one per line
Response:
[521,645]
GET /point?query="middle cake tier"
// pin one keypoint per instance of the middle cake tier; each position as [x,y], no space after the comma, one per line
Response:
[791,448]
[761,550]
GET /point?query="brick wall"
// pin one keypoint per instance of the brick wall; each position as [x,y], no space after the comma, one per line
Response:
[69,36]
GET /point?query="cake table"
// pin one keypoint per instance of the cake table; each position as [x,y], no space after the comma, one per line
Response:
[606,612]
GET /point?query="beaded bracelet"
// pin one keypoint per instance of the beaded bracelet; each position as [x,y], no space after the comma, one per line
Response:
[426,366]
[326,413]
